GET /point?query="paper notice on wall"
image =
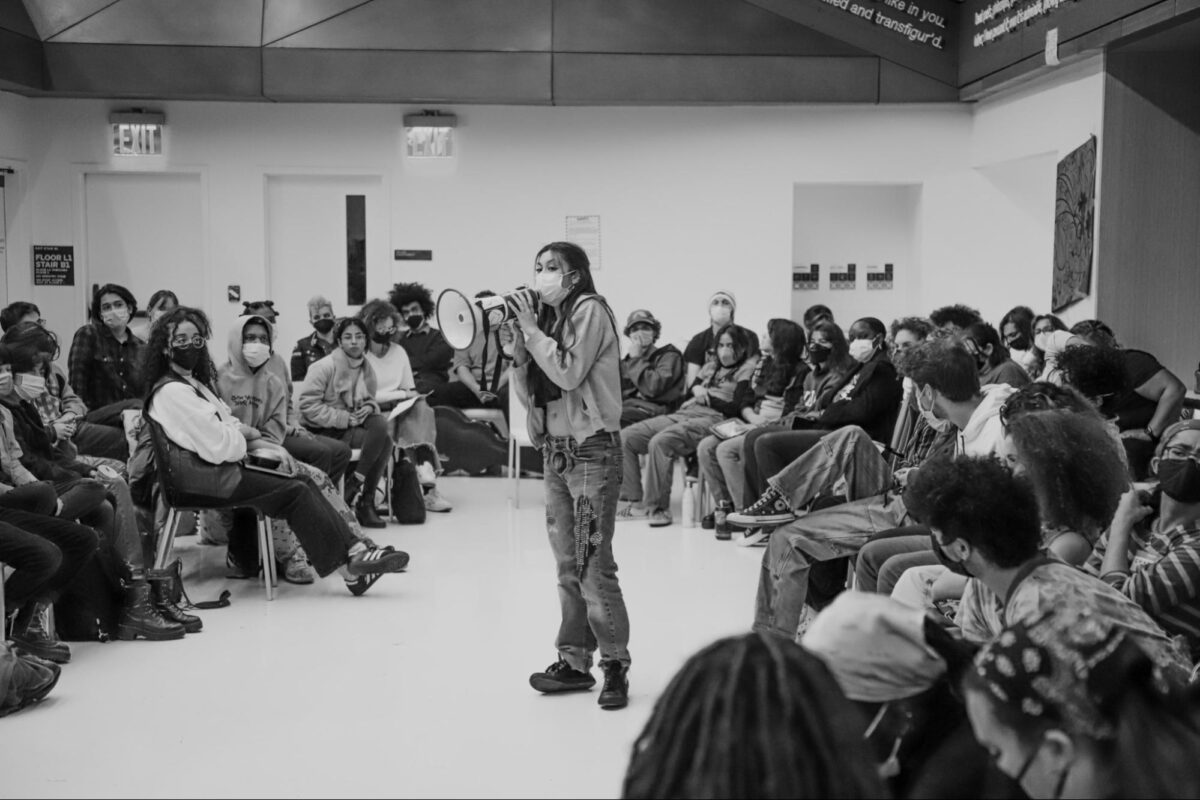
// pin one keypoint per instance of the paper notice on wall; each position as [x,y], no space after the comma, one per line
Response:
[585,232]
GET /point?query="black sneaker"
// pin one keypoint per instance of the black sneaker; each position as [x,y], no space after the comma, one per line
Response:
[708,521]
[770,509]
[615,693]
[561,677]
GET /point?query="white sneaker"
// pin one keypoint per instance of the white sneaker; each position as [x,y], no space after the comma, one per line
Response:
[632,512]
[435,502]
[425,474]
[659,518]
[752,537]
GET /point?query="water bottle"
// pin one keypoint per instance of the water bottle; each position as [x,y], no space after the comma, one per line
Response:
[689,503]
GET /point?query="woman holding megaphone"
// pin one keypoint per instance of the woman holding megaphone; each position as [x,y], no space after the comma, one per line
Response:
[567,370]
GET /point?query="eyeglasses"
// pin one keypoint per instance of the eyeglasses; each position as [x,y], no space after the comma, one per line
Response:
[183,341]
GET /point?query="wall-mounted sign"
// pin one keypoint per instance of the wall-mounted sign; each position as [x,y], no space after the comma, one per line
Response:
[413,255]
[843,280]
[880,279]
[137,132]
[53,265]
[806,279]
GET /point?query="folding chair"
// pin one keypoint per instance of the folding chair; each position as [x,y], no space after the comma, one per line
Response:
[518,437]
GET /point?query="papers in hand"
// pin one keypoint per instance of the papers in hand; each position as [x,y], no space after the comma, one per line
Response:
[405,405]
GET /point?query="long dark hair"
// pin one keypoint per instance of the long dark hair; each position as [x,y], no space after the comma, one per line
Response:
[787,352]
[156,363]
[982,335]
[560,327]
[839,362]
[752,716]
[27,339]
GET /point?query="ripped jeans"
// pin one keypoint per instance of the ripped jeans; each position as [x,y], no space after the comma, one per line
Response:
[582,484]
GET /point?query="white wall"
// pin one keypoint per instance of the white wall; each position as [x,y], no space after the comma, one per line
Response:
[15,122]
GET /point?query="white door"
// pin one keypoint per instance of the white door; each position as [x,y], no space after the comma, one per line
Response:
[145,231]
[311,230]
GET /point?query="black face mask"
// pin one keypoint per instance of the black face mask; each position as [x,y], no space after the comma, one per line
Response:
[381,338]
[413,321]
[1179,479]
[1020,343]
[187,357]
[957,567]
[819,355]
[323,325]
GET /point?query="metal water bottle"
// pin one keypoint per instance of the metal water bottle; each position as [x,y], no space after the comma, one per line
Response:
[689,502]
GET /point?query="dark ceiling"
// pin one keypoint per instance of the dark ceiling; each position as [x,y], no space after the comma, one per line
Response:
[537,52]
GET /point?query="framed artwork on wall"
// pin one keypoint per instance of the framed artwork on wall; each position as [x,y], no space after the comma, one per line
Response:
[1074,226]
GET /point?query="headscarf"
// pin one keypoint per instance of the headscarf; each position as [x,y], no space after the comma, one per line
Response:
[1174,430]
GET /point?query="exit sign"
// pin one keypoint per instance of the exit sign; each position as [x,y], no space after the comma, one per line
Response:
[137,139]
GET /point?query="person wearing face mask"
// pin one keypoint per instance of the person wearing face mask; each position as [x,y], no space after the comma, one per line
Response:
[337,400]
[722,308]
[479,375]
[185,412]
[104,364]
[429,354]
[160,303]
[651,376]
[995,365]
[1016,331]
[984,524]
[1151,552]
[318,344]
[1069,706]
[415,431]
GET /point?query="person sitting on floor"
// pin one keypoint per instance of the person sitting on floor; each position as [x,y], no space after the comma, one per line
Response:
[652,377]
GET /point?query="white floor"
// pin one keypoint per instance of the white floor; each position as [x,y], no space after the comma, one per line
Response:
[417,689]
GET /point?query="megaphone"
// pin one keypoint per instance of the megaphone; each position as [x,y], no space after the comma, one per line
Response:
[462,320]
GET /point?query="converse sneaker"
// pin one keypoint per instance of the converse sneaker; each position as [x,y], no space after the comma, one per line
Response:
[659,518]
[561,677]
[615,693]
[632,512]
[770,509]
[753,537]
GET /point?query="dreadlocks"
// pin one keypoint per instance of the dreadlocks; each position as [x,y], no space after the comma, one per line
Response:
[752,716]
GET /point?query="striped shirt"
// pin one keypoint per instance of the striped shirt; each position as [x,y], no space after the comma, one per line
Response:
[1164,577]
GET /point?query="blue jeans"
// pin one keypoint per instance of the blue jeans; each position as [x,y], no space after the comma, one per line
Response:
[582,483]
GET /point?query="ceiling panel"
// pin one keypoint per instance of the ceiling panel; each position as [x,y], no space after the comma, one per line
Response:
[214,23]
[684,26]
[186,73]
[20,62]
[581,78]
[405,77]
[511,25]
[50,17]
[898,84]
[285,17]
[13,17]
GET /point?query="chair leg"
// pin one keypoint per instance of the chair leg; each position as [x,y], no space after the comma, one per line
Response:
[166,540]
[266,554]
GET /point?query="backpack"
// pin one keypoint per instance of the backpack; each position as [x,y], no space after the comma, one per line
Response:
[89,608]
[408,499]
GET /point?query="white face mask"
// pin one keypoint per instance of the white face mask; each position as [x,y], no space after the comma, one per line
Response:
[550,286]
[29,386]
[720,315]
[256,354]
[862,349]
[115,317]
[6,383]
[938,424]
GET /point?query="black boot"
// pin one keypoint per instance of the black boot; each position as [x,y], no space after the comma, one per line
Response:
[364,509]
[352,487]
[139,617]
[162,585]
[31,633]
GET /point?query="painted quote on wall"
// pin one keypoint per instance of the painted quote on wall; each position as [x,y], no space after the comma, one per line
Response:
[1074,223]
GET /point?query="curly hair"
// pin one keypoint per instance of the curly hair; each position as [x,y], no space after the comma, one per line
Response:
[944,364]
[1043,396]
[377,311]
[917,326]
[27,339]
[981,502]
[957,315]
[734,717]
[404,293]
[15,312]
[1076,467]
[1094,370]
[156,359]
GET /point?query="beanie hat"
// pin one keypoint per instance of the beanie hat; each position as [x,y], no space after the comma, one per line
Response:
[727,295]
[643,316]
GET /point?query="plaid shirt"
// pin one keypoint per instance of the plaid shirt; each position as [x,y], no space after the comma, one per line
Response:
[59,399]
[104,371]
[308,351]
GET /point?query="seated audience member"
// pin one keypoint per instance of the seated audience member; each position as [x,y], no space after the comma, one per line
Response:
[869,397]
[829,363]
[908,434]
[161,302]
[901,669]
[1069,705]
[719,392]
[947,391]
[984,523]
[995,364]
[416,430]
[20,311]
[1078,474]
[1050,337]
[1016,331]
[105,359]
[259,398]
[1151,553]
[908,332]
[1152,399]
[954,319]
[260,308]
[815,314]
[98,498]
[63,413]
[481,371]
[191,416]
[722,308]
[652,377]
[429,354]
[734,718]
[338,400]
[777,382]
[318,344]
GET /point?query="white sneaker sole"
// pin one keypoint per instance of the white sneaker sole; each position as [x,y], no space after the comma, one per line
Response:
[751,539]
